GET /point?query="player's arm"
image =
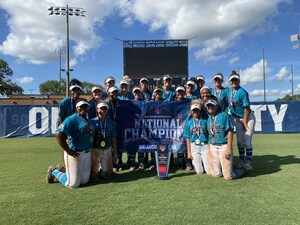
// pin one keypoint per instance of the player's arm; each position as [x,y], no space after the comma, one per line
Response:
[228,151]
[62,141]
[246,116]
[189,150]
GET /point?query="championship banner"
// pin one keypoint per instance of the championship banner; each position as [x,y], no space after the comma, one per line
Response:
[142,126]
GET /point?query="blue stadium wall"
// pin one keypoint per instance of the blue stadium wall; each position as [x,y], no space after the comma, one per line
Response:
[40,120]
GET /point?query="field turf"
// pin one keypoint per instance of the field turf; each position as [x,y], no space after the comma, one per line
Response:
[270,194]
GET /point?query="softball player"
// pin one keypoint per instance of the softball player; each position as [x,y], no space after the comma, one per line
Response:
[108,83]
[205,94]
[220,129]
[125,94]
[146,93]
[244,119]
[200,83]
[105,142]
[96,97]
[196,134]
[67,105]
[168,91]
[77,155]
[190,90]
[220,92]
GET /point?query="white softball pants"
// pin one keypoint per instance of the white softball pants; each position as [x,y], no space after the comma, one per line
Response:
[200,158]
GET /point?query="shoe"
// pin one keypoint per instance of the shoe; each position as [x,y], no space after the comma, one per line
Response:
[50,177]
[152,167]
[61,168]
[189,166]
[248,166]
[132,168]
[115,169]
[141,167]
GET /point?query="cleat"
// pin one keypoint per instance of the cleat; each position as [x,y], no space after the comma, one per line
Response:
[141,167]
[132,168]
[189,166]
[50,177]
[152,167]
[61,168]
[248,166]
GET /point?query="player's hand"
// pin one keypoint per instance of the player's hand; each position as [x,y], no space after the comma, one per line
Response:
[73,153]
[190,156]
[227,154]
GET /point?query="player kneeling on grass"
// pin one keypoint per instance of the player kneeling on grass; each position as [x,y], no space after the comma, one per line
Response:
[220,129]
[104,142]
[77,152]
[196,134]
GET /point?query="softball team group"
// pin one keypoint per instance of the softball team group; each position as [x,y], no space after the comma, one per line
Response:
[87,129]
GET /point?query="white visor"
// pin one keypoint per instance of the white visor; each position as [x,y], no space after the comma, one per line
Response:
[75,86]
[195,106]
[82,102]
[102,104]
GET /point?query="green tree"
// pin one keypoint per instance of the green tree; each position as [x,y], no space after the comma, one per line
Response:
[7,87]
[288,98]
[53,87]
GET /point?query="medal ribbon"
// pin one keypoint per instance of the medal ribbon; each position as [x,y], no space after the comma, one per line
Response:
[103,128]
[212,126]
[197,127]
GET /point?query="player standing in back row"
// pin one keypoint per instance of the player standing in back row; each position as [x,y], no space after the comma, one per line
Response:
[244,120]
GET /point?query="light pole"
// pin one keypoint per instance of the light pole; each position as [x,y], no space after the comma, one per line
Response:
[67,11]
[59,52]
[264,74]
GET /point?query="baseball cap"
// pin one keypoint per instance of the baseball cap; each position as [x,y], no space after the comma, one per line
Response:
[191,82]
[102,104]
[112,89]
[158,89]
[200,78]
[75,86]
[136,89]
[167,76]
[144,79]
[109,79]
[180,88]
[211,101]
[124,81]
[205,87]
[219,75]
[82,102]
[234,76]
[195,106]
[96,88]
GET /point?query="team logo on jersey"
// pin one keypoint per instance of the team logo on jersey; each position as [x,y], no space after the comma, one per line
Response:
[162,148]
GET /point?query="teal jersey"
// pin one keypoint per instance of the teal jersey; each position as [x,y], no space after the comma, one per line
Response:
[169,95]
[104,131]
[66,108]
[196,129]
[146,95]
[237,102]
[222,98]
[127,96]
[191,97]
[92,113]
[78,131]
[218,128]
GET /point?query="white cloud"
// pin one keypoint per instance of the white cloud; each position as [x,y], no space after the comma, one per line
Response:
[254,74]
[297,89]
[257,93]
[25,80]
[34,35]
[281,75]
[234,60]
[217,24]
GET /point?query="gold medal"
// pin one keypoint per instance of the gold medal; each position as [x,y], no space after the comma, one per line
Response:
[102,143]
[197,142]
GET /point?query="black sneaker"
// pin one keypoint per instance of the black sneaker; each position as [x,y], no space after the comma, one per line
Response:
[50,177]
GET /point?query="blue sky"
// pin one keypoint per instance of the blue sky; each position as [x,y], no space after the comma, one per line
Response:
[230,35]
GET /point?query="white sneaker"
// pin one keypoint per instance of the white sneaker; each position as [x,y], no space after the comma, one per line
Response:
[248,166]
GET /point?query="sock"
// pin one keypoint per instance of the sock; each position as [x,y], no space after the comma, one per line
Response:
[60,176]
[242,154]
[249,155]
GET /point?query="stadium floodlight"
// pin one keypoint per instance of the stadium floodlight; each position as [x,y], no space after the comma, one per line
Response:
[67,11]
[294,37]
[60,52]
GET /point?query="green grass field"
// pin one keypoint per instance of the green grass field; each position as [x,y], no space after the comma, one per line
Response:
[270,194]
